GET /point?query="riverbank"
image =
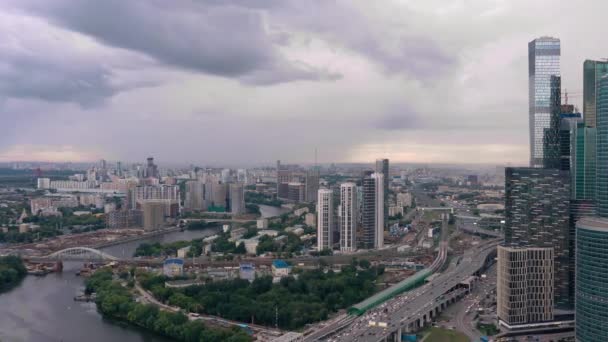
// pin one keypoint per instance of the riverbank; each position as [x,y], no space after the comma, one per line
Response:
[116,301]
[12,272]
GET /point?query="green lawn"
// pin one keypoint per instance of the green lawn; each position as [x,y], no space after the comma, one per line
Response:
[445,335]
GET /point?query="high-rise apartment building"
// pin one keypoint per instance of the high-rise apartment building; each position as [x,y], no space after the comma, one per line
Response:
[195,196]
[591,280]
[153,214]
[237,198]
[348,217]
[593,71]
[325,219]
[372,216]
[537,208]
[525,285]
[312,184]
[168,194]
[543,62]
[382,166]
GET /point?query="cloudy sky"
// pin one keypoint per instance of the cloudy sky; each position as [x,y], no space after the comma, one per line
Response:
[252,81]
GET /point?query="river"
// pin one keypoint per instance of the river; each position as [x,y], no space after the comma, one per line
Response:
[42,309]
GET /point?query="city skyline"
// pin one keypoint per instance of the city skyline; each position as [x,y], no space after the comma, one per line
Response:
[88,99]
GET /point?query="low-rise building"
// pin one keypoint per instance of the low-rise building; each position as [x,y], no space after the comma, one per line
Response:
[173,267]
[301,211]
[280,268]
[262,224]
[183,252]
[247,271]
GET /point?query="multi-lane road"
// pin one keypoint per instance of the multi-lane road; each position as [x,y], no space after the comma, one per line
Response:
[414,305]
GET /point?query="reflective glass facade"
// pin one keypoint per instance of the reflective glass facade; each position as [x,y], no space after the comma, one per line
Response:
[602,148]
[592,73]
[543,62]
[583,162]
[591,284]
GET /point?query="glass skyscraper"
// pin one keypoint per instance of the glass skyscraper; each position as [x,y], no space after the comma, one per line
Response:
[602,147]
[592,74]
[591,285]
[543,62]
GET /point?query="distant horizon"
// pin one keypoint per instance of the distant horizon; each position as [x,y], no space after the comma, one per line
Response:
[260,165]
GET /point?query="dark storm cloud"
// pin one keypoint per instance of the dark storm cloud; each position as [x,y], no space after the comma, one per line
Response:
[211,37]
[27,76]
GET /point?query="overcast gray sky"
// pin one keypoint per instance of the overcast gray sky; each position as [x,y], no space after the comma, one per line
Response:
[252,81]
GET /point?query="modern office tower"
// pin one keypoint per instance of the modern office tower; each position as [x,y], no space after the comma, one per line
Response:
[195,196]
[591,280]
[348,217]
[524,289]
[372,216]
[325,217]
[537,207]
[602,147]
[151,169]
[583,170]
[237,198]
[551,135]
[567,133]
[593,71]
[312,184]
[543,62]
[382,167]
[153,214]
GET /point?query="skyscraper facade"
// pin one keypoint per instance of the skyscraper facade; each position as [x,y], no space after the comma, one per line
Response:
[591,280]
[543,62]
[372,216]
[537,207]
[602,147]
[525,285]
[348,217]
[153,214]
[551,135]
[583,158]
[237,198]
[382,166]
[593,71]
[325,217]
[195,196]
[312,184]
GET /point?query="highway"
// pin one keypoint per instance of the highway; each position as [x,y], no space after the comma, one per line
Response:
[329,328]
[414,305]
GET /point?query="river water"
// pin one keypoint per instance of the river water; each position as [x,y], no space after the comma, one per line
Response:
[42,309]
